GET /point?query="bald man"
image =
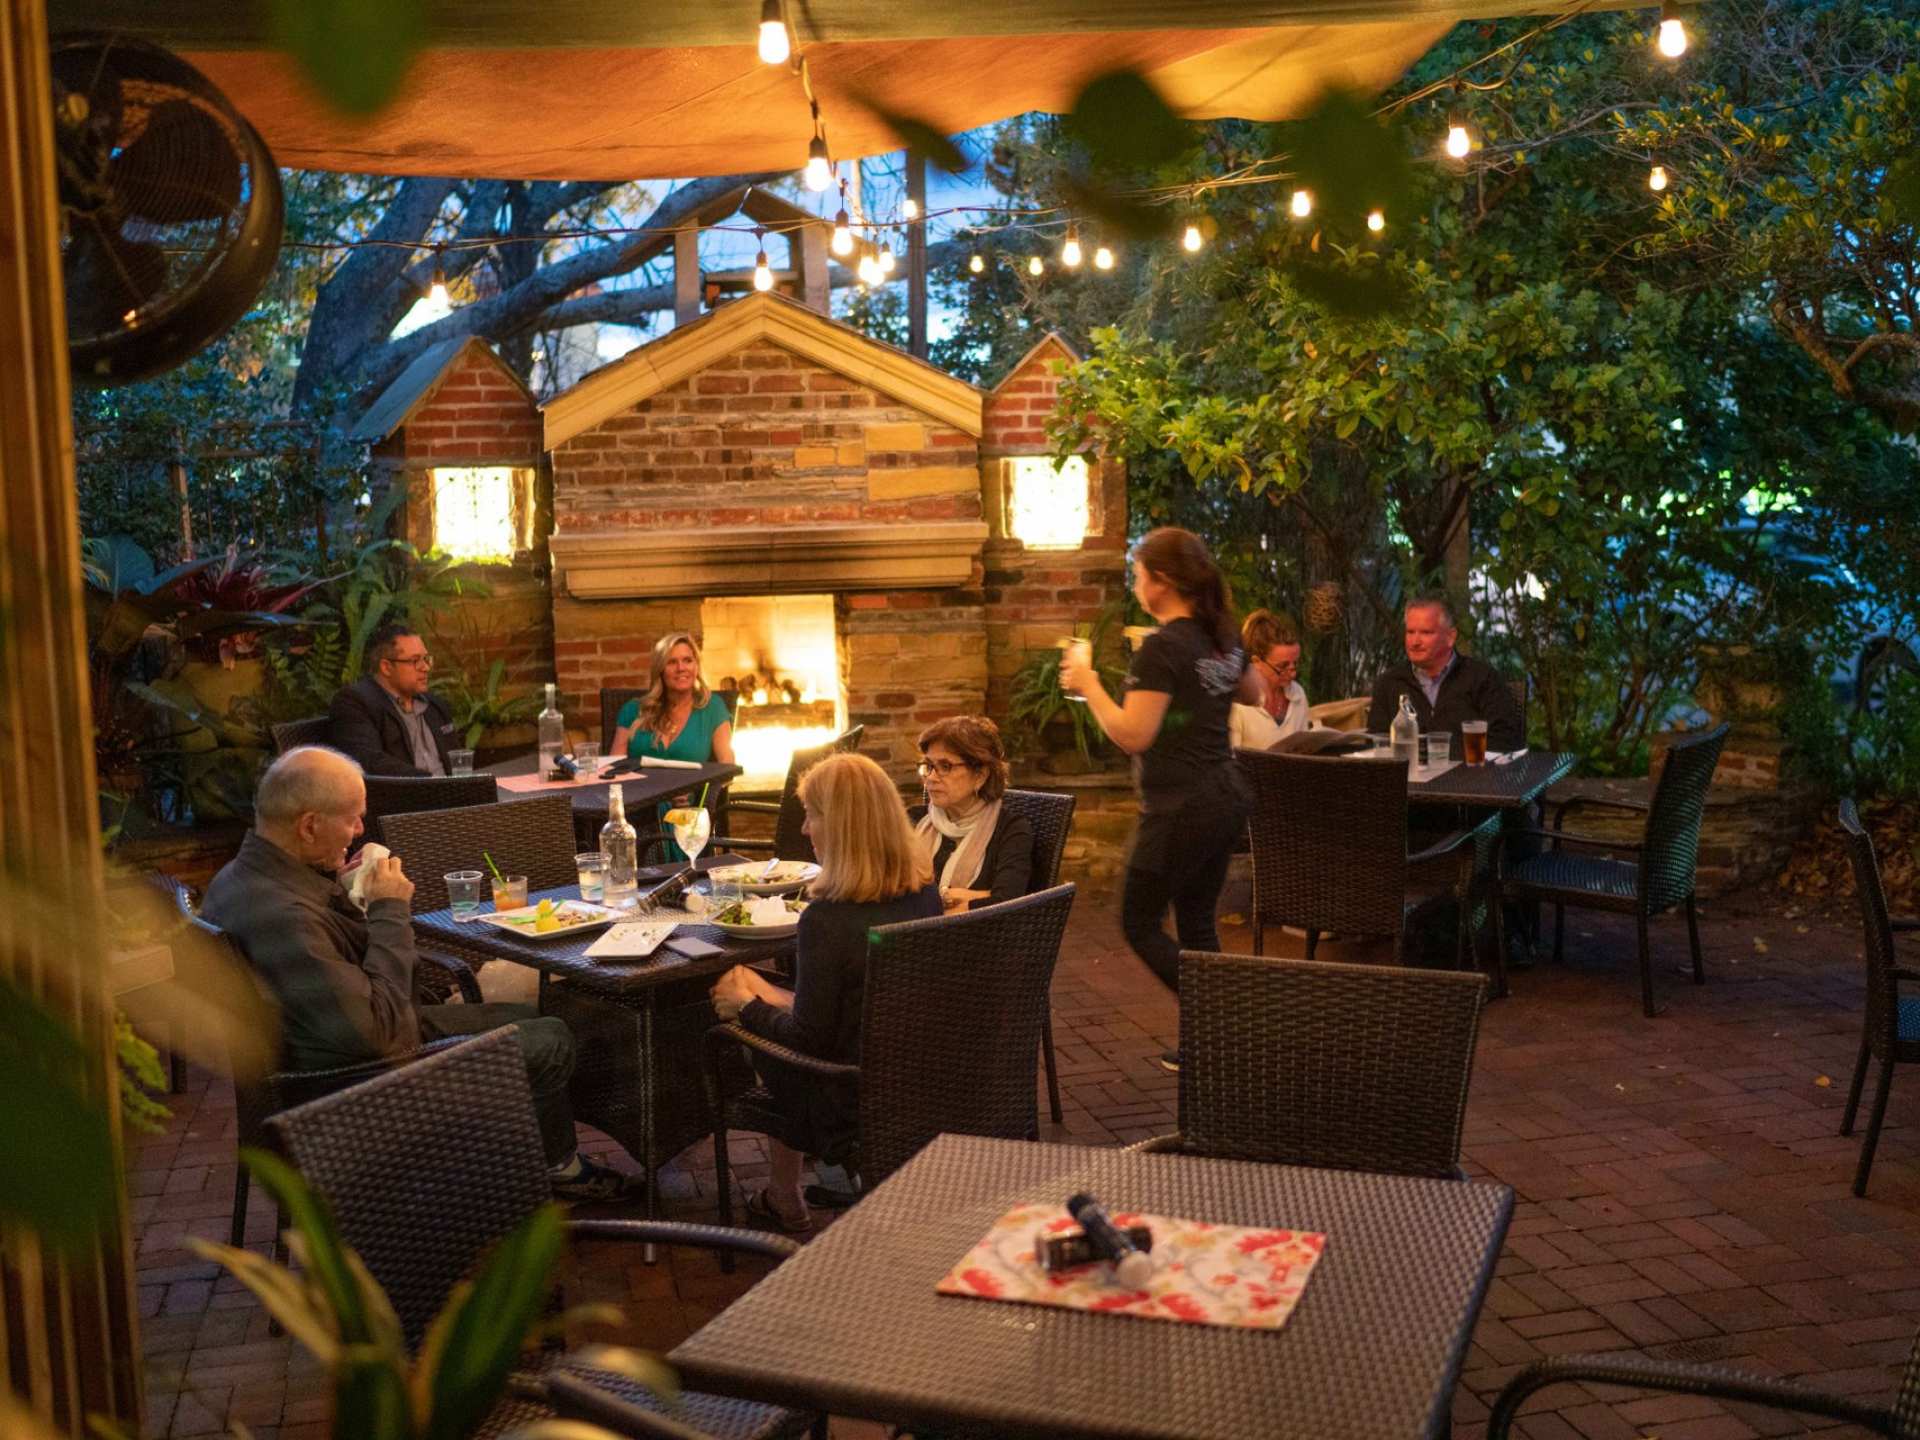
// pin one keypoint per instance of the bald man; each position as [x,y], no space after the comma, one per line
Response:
[344,980]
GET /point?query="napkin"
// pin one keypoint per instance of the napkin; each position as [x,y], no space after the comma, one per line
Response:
[362,870]
[769,910]
[1505,757]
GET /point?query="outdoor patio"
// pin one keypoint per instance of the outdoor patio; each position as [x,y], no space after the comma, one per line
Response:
[1681,1188]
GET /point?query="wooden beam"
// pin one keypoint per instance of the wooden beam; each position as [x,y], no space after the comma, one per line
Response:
[686,274]
[811,247]
[917,255]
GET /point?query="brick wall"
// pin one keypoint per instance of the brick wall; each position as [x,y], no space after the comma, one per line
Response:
[911,657]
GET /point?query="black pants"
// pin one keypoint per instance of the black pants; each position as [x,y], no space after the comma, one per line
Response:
[1192,888]
[546,1044]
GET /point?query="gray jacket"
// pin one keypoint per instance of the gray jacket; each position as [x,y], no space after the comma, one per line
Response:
[344,980]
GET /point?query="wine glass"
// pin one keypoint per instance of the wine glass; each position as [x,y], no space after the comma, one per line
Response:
[693,832]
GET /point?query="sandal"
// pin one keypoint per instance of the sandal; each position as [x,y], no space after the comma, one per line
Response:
[760,1208]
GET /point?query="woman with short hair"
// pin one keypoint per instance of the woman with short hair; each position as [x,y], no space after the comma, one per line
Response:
[980,854]
[873,871]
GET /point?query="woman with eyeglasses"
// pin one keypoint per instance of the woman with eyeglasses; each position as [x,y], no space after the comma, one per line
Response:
[1273,650]
[980,854]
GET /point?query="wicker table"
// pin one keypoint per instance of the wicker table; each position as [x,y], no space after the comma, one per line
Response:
[1512,786]
[639,1025]
[642,792]
[852,1325]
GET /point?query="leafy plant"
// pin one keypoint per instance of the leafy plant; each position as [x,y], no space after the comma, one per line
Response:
[1037,700]
[476,711]
[141,1079]
[66,1190]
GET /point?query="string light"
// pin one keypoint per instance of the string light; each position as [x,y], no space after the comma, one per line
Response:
[1657,179]
[819,173]
[869,268]
[774,47]
[1673,35]
[1458,141]
[1191,242]
[910,208]
[1376,221]
[1103,258]
[437,290]
[1302,204]
[1036,266]
[842,243]
[885,261]
[762,272]
[1070,251]
[977,265]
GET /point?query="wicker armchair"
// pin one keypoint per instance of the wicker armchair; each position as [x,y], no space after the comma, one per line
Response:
[1330,854]
[949,1024]
[459,1128]
[1345,1067]
[1890,1030]
[1658,880]
[613,699]
[1051,817]
[788,842]
[409,794]
[314,730]
[1899,1421]
[532,837]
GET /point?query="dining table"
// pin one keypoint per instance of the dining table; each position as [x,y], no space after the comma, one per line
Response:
[853,1325]
[641,792]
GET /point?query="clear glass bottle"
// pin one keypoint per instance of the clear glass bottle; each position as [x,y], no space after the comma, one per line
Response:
[1406,733]
[553,732]
[622,849]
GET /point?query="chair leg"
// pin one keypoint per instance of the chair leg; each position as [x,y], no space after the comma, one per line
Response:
[1313,942]
[243,1185]
[1559,934]
[1693,939]
[1053,1069]
[723,1186]
[1499,948]
[1259,932]
[1853,1091]
[1646,972]
[1881,1088]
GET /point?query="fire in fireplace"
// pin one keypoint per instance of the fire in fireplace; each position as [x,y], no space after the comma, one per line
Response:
[778,655]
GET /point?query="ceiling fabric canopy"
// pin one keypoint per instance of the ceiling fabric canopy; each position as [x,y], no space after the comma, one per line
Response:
[640,89]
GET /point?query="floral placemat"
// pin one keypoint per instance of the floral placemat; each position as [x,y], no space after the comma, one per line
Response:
[1204,1274]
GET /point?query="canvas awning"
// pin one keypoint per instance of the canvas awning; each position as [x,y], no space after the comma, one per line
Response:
[634,89]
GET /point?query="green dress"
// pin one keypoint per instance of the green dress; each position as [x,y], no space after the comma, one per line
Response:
[694,742]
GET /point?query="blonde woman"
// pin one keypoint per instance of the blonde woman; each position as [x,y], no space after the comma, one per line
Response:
[873,871]
[678,718]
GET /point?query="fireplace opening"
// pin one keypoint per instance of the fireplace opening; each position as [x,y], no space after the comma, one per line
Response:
[778,656]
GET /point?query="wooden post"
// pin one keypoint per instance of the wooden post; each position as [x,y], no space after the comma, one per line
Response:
[67,1322]
[686,274]
[917,255]
[809,252]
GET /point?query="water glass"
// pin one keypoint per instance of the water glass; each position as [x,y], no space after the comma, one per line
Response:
[510,893]
[1439,748]
[592,869]
[460,762]
[1473,741]
[722,893]
[586,756]
[464,891]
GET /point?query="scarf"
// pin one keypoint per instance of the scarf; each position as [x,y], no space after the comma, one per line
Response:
[971,836]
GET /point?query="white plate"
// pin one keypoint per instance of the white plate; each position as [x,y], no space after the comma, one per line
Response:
[757,932]
[790,875]
[600,916]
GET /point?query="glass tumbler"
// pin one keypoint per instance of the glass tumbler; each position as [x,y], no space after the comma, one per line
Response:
[465,889]
[460,762]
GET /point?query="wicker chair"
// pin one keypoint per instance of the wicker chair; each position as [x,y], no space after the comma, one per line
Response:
[1330,854]
[949,1025]
[409,794]
[1345,1067]
[1899,1421]
[532,837]
[459,1127]
[1890,1031]
[788,842]
[314,730]
[1051,817]
[1661,877]
[613,699]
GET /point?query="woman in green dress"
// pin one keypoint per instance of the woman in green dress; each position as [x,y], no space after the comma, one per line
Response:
[678,718]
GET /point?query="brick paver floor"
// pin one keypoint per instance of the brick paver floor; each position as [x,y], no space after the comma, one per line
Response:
[1682,1189]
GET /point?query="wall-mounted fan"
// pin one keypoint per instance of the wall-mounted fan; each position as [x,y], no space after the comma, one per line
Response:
[171,206]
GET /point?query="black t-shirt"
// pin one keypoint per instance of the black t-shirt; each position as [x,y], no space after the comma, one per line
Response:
[1182,660]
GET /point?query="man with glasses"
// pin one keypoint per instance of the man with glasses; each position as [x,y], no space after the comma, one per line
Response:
[1274,655]
[387,719]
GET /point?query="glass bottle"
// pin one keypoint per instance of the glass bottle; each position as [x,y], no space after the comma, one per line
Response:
[1405,734]
[621,847]
[553,732]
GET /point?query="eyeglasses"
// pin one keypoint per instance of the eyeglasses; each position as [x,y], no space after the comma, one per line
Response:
[423,660]
[943,768]
[1285,667]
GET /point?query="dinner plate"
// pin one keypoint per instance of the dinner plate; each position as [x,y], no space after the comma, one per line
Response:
[790,875]
[520,922]
[757,932]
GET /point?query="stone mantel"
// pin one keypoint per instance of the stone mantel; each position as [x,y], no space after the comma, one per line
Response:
[766,559]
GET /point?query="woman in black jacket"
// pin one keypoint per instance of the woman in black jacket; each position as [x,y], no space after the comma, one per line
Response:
[872,872]
[981,855]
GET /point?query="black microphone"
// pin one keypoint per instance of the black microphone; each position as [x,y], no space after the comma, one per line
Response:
[1132,1266]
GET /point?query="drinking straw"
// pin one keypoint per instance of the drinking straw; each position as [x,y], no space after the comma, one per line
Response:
[702,803]
[493,867]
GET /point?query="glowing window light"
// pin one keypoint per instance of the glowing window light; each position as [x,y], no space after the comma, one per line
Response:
[1048,507]
[473,513]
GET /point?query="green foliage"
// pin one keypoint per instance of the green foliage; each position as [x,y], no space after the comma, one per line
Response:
[355,52]
[1858,752]
[60,1181]
[141,1079]
[1037,700]
[478,710]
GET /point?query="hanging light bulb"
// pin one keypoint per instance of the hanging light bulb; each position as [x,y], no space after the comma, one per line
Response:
[1102,258]
[437,290]
[1191,240]
[842,243]
[1302,204]
[1657,179]
[910,208]
[1070,251]
[977,264]
[885,261]
[867,270]
[774,47]
[1458,141]
[1376,221]
[762,272]
[1672,41]
[819,169]
[1036,266]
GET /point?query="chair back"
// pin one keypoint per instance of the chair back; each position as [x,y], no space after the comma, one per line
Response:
[1051,817]
[1522,689]
[314,730]
[406,794]
[1883,1010]
[426,1167]
[531,837]
[950,1025]
[613,699]
[1347,1067]
[1329,839]
[1671,842]
[789,843]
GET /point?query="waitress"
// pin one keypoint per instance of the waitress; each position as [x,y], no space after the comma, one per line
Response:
[678,718]
[1173,720]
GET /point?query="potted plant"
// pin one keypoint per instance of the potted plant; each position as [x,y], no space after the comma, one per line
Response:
[1065,727]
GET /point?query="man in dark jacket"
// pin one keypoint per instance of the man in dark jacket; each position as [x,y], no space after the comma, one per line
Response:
[387,719]
[1445,686]
[343,977]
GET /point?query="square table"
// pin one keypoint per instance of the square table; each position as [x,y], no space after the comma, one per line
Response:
[1512,786]
[852,1324]
[642,792]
